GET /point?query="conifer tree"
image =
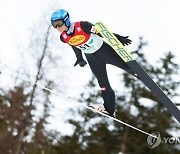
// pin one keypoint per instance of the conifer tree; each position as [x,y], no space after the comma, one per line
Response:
[98,134]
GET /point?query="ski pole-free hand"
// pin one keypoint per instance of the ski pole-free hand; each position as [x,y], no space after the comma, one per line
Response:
[81,62]
[123,39]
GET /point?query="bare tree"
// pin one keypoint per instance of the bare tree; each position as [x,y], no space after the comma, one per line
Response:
[23,123]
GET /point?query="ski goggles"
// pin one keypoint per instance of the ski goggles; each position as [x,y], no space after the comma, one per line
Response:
[57,23]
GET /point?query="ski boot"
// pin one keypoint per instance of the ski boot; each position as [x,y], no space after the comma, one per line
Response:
[102,109]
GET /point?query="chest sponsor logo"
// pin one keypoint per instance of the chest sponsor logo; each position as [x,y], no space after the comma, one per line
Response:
[76,40]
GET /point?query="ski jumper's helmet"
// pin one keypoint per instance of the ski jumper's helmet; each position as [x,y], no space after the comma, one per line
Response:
[61,15]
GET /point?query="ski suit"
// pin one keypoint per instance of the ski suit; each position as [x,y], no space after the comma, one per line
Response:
[83,37]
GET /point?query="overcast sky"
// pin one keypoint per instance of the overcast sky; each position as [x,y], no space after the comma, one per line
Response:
[156,20]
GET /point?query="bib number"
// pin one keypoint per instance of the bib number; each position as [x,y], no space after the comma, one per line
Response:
[84,46]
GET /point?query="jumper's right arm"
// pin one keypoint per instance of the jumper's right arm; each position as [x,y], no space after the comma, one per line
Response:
[78,54]
[79,57]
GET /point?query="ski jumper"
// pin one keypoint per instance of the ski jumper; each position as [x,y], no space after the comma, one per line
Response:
[82,37]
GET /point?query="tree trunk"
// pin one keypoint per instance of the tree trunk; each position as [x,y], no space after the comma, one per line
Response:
[28,117]
[20,142]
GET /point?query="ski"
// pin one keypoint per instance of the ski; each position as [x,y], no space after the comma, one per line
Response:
[92,108]
[111,39]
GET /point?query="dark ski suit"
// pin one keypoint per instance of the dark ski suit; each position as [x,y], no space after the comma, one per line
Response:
[97,56]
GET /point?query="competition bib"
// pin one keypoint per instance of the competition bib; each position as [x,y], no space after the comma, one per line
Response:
[91,45]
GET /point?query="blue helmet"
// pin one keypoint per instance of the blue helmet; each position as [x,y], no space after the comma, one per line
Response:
[61,15]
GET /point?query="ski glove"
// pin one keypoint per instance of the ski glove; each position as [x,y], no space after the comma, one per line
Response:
[123,39]
[81,62]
